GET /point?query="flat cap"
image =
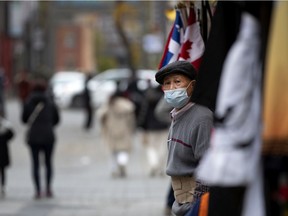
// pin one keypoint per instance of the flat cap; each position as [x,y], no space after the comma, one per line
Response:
[182,67]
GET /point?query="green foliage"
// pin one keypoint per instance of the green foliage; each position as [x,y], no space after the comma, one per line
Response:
[105,62]
[41,72]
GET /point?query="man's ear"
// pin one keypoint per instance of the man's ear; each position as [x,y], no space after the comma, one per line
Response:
[193,83]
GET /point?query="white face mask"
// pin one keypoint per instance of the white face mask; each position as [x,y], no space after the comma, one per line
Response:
[177,98]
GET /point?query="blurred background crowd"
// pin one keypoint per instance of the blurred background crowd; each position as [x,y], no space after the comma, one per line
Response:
[88,51]
[41,38]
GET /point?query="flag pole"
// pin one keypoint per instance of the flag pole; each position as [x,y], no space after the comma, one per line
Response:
[181,7]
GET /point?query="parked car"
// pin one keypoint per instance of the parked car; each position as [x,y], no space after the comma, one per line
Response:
[104,84]
[67,88]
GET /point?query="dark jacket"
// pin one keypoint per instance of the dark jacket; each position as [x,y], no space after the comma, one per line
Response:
[147,118]
[6,134]
[42,129]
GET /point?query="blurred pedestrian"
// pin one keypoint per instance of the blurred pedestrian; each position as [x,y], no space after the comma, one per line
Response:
[6,134]
[118,125]
[134,94]
[89,111]
[23,86]
[189,134]
[154,131]
[162,113]
[41,115]
[2,91]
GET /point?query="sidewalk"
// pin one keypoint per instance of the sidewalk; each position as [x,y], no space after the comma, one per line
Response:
[83,185]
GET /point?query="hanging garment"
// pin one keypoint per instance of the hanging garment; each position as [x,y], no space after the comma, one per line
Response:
[224,29]
[233,158]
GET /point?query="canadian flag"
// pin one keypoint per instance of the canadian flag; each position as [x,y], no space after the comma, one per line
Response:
[193,45]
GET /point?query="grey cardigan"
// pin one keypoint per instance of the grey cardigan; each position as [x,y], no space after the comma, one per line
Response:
[188,139]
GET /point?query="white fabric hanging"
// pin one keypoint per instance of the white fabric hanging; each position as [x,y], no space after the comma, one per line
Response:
[226,163]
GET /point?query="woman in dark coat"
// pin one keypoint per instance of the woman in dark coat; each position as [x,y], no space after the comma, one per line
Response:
[40,135]
[6,134]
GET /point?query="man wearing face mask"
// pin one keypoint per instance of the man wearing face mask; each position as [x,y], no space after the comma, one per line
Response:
[189,134]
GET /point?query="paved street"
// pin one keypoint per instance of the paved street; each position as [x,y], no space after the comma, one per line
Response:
[82,182]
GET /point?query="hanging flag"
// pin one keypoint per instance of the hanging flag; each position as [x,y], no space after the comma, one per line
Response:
[173,44]
[193,46]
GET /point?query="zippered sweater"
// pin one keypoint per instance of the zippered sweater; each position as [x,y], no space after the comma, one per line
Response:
[188,139]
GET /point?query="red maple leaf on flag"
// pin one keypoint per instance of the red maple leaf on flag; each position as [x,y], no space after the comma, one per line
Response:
[185,54]
[192,36]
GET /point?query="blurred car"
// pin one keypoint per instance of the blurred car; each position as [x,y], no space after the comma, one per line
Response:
[103,85]
[67,88]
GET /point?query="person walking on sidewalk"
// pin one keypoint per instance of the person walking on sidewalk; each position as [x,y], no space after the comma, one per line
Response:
[23,86]
[118,126]
[189,134]
[6,134]
[88,107]
[162,113]
[41,115]
[154,131]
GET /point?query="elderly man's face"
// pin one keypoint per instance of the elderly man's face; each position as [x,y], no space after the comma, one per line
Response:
[175,81]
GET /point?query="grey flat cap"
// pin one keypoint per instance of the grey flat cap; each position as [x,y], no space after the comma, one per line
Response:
[182,67]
